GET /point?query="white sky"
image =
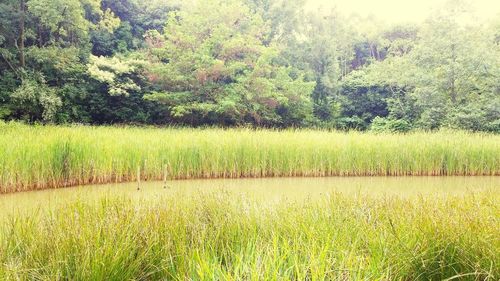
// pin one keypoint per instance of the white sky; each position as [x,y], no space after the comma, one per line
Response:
[395,11]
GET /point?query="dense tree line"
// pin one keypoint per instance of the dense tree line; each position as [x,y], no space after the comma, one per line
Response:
[270,63]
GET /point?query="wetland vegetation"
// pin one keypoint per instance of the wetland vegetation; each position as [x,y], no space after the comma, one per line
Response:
[249,140]
[36,157]
[224,234]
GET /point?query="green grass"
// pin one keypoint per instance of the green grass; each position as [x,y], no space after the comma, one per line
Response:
[218,235]
[222,236]
[37,157]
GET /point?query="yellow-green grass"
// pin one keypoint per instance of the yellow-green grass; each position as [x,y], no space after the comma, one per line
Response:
[222,236]
[37,157]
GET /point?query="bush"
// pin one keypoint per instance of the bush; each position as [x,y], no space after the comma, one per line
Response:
[380,124]
[351,123]
[481,115]
[494,126]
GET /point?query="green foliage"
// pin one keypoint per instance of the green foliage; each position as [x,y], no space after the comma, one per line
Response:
[380,124]
[7,85]
[116,73]
[364,98]
[34,100]
[67,18]
[248,62]
[446,77]
[321,56]
[479,115]
[211,66]
[59,65]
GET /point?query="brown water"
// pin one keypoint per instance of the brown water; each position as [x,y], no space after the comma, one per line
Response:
[266,188]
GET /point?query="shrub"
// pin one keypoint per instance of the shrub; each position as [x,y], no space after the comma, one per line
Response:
[380,124]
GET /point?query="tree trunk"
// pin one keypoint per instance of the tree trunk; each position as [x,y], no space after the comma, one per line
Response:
[22,8]
[60,25]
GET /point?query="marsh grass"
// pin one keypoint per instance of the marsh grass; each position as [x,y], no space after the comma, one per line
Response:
[223,236]
[37,157]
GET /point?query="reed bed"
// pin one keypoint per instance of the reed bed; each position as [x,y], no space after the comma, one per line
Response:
[221,236]
[37,157]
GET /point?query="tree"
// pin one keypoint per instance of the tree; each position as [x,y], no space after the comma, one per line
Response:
[237,62]
[34,100]
[136,18]
[213,66]
[321,56]
[43,47]
[444,76]
[117,73]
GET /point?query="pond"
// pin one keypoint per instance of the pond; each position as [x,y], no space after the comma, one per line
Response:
[269,189]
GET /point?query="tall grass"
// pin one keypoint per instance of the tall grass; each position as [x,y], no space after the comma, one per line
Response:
[36,157]
[220,236]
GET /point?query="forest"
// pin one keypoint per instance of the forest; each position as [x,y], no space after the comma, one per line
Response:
[256,63]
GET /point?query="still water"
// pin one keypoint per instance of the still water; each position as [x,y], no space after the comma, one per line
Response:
[274,189]
[263,188]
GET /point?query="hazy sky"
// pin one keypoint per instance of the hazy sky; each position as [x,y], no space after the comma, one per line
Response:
[394,11]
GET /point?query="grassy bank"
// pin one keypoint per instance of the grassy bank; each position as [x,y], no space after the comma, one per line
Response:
[220,236]
[48,156]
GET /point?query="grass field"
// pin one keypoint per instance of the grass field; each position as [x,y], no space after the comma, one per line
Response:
[223,236]
[37,157]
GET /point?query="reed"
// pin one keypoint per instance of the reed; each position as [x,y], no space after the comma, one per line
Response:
[37,157]
[221,236]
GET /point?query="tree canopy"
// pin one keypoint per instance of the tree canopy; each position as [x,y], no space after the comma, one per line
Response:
[246,62]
